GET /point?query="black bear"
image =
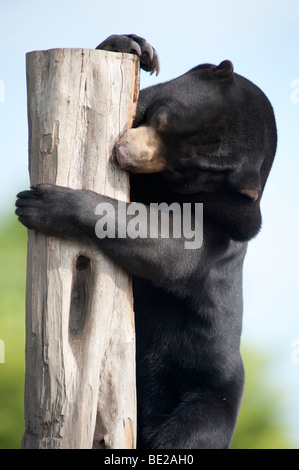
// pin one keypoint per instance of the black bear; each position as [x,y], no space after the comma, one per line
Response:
[208,136]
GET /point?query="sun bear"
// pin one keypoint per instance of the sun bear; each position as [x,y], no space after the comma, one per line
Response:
[207,137]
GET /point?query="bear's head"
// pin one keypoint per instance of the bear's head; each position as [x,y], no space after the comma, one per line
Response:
[211,133]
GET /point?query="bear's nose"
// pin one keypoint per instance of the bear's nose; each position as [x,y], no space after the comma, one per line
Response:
[122,155]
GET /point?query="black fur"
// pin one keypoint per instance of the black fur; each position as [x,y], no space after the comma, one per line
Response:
[219,138]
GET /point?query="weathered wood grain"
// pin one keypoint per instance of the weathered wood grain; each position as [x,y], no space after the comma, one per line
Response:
[80,345]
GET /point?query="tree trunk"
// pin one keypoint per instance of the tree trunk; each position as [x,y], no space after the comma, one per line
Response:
[80,345]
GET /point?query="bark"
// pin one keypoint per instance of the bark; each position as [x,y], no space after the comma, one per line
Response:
[80,345]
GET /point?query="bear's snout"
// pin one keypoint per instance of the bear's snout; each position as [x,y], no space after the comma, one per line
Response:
[139,151]
[123,155]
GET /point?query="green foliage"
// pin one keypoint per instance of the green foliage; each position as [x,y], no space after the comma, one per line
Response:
[258,426]
[12,331]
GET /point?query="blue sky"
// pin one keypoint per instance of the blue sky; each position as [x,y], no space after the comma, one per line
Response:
[261,37]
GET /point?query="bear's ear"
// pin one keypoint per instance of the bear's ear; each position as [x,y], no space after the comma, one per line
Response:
[252,194]
[246,182]
[225,69]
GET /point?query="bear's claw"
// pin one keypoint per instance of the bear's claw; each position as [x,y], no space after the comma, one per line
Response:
[132,44]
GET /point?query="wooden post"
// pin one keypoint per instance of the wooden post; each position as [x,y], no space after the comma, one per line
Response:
[80,345]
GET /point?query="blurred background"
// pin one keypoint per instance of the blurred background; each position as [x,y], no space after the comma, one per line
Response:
[261,37]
